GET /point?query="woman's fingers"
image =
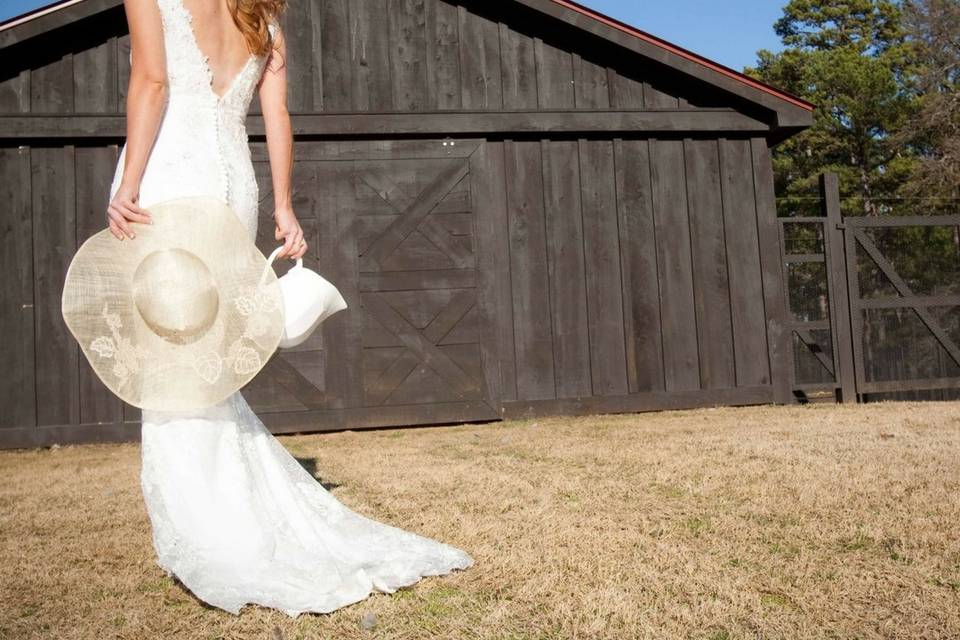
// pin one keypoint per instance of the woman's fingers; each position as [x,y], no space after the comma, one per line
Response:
[140,211]
[120,221]
[115,230]
[121,212]
[299,246]
[288,245]
[134,213]
[293,245]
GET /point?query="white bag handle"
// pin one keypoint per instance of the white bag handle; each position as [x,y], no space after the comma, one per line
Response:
[273,256]
[276,252]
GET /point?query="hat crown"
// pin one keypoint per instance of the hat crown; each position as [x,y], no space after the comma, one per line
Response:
[176,295]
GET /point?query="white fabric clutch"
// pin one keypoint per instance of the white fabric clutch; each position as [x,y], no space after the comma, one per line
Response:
[308,300]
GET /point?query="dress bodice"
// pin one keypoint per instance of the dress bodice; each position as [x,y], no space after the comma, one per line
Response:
[201,146]
[188,69]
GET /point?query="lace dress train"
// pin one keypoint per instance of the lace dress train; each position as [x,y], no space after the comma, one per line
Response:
[238,520]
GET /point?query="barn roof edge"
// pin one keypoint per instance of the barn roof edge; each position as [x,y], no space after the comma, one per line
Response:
[569,5]
[686,53]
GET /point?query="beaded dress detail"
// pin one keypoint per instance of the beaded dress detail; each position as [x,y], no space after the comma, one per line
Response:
[234,516]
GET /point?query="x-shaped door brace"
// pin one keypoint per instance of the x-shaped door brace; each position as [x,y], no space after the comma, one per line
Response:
[424,344]
[414,212]
[904,290]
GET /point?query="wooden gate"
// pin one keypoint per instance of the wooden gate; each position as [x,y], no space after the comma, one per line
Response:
[835,307]
[896,294]
[394,226]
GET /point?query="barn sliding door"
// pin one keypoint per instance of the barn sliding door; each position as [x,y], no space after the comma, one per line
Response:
[394,226]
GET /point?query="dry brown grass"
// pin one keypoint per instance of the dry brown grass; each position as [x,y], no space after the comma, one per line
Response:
[766,522]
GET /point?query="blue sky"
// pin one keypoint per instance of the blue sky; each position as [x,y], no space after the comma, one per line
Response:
[730,32]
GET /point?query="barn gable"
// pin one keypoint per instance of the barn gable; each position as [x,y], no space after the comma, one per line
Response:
[404,56]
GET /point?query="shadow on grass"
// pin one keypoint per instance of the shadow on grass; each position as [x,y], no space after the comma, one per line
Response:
[311,466]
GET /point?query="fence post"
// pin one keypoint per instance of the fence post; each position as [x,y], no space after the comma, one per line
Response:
[837,290]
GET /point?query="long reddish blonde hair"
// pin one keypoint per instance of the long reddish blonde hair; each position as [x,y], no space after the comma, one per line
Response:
[252,18]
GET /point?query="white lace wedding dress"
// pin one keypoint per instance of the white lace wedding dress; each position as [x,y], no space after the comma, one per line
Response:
[234,516]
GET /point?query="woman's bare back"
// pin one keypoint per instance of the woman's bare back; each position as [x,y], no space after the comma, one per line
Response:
[219,40]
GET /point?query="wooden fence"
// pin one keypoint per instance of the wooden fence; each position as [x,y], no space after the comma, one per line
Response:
[873,303]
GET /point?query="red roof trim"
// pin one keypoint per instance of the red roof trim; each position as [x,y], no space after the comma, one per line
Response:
[684,53]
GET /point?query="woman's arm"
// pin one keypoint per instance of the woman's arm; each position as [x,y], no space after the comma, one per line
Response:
[276,119]
[145,100]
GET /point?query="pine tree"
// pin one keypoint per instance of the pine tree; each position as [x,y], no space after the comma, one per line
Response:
[852,59]
[933,26]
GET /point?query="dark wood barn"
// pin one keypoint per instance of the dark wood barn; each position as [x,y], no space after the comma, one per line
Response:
[529,207]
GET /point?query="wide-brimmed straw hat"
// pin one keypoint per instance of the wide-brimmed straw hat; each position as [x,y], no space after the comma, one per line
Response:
[179,317]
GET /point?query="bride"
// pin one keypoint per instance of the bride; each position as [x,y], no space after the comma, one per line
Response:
[235,518]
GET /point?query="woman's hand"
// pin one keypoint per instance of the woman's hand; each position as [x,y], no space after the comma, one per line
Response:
[288,230]
[123,210]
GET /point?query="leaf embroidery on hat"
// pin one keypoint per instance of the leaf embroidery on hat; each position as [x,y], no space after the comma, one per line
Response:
[104,347]
[245,305]
[127,355]
[243,355]
[267,301]
[246,360]
[209,366]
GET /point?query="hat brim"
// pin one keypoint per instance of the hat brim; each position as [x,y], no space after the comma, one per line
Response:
[136,364]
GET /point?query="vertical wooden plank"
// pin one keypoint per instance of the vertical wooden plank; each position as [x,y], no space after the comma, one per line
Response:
[51,86]
[838,289]
[95,166]
[709,252]
[480,62]
[297,28]
[743,264]
[494,277]
[778,337]
[554,76]
[444,85]
[123,70]
[331,36]
[408,54]
[601,246]
[519,69]
[338,231]
[15,93]
[858,313]
[54,243]
[641,282]
[95,79]
[656,98]
[370,45]
[591,85]
[565,260]
[17,384]
[625,92]
[678,315]
[529,273]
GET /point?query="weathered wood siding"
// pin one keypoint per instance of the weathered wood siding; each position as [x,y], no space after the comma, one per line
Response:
[489,272]
[634,268]
[484,278]
[375,56]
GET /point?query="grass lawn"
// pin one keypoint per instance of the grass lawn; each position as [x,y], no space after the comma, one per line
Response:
[816,521]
